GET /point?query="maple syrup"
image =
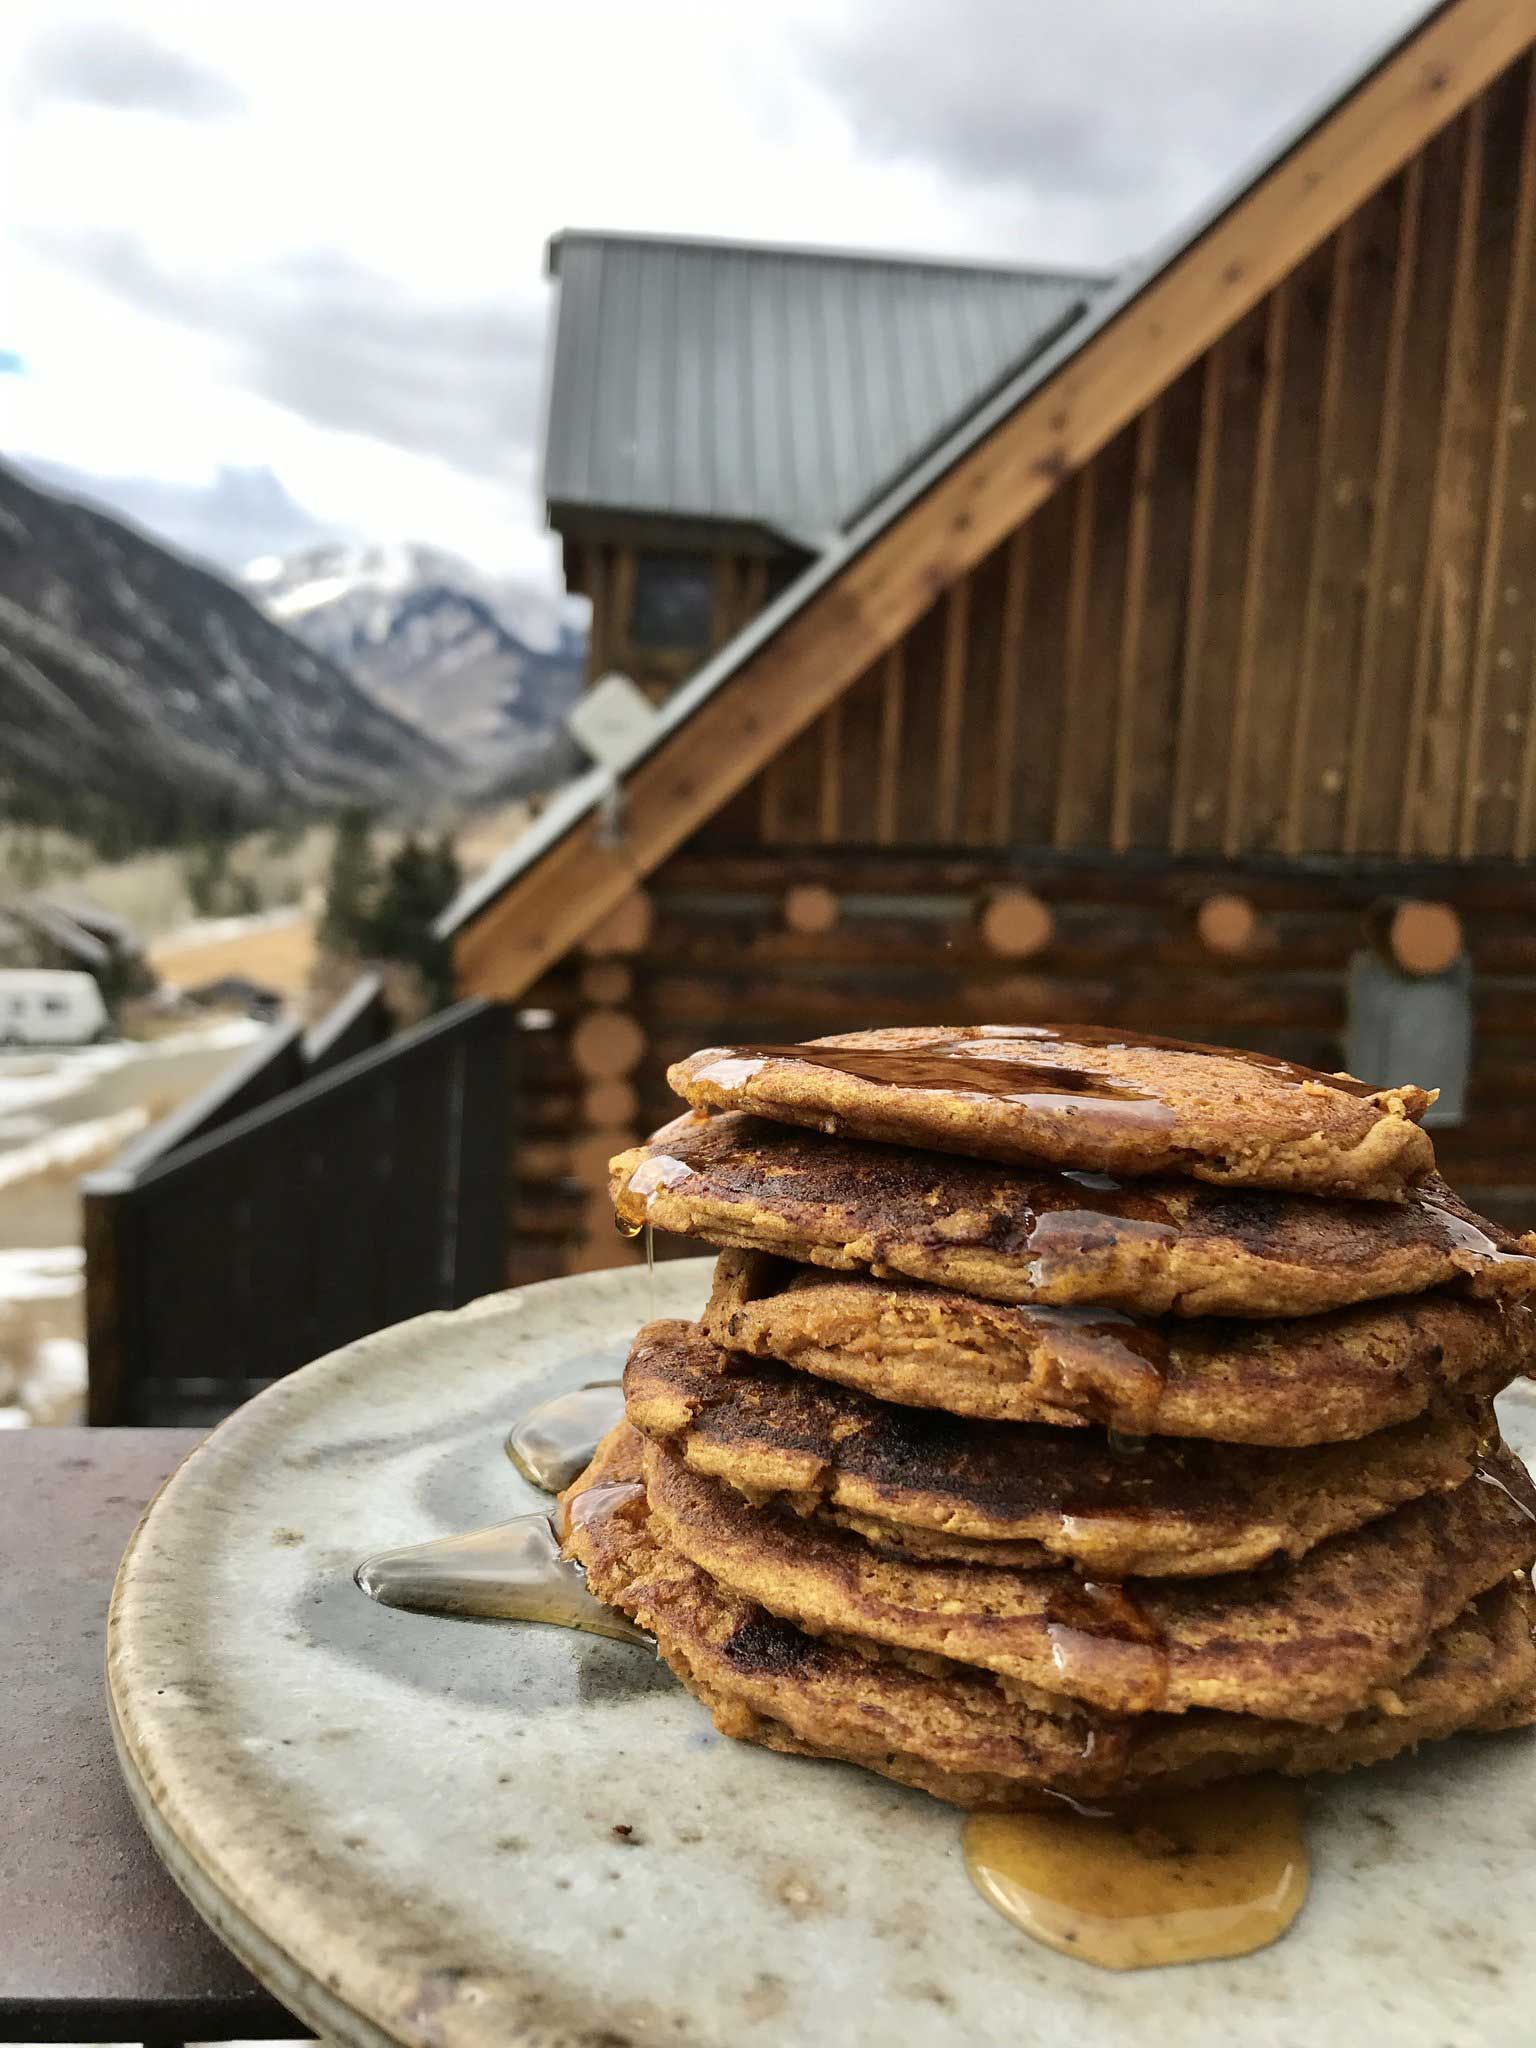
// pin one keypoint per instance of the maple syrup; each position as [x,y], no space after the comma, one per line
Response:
[953,1063]
[1107,1364]
[554,1442]
[1100,1638]
[1174,1877]
[513,1572]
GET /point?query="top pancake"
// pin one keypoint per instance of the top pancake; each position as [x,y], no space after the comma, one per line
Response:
[1082,1097]
[1008,1234]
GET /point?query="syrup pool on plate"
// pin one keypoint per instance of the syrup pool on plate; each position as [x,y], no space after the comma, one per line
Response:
[1173,1877]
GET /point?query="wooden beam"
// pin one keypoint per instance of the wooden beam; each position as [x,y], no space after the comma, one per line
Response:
[991,489]
[1234,833]
[1361,736]
[1132,614]
[1515,317]
[957,620]
[1328,422]
[1010,656]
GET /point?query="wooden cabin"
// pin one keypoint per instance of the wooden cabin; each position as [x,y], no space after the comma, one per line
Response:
[720,412]
[1190,684]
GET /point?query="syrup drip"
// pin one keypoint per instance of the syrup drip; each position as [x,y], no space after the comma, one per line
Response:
[554,1442]
[1178,1877]
[953,1063]
[1462,1233]
[1100,1638]
[510,1573]
[1498,1466]
[1059,1238]
[1108,1364]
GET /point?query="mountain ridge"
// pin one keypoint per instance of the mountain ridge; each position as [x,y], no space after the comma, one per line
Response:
[143,698]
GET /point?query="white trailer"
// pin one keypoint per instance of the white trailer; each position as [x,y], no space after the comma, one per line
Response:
[50,1006]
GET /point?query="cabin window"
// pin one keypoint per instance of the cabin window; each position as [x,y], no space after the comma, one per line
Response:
[674,607]
[1412,1027]
[55,1005]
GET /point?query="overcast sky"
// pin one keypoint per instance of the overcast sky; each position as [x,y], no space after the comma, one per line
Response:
[305,240]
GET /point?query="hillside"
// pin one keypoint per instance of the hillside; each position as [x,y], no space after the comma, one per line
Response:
[487,666]
[142,698]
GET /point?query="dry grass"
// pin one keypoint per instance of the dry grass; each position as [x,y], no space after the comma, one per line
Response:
[280,956]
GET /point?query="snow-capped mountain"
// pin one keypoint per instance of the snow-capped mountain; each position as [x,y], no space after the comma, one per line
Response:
[486,666]
[142,699]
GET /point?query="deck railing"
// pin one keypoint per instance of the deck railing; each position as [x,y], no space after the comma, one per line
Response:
[286,1217]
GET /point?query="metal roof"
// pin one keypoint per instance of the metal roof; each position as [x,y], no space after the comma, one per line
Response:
[770,386]
[580,798]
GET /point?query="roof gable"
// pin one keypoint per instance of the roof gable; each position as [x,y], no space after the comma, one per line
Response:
[764,688]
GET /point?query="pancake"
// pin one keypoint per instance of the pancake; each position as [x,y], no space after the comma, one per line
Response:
[1162,1506]
[954,1731]
[1108,1100]
[1313,1641]
[1313,1379]
[1156,1247]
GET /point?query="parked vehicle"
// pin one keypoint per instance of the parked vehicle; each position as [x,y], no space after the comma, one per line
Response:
[51,1006]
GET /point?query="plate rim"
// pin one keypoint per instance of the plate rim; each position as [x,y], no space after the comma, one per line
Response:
[293,1981]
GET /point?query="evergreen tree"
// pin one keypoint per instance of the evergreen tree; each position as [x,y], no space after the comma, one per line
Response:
[419,880]
[351,886]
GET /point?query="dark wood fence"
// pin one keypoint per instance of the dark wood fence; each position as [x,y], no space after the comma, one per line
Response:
[282,1220]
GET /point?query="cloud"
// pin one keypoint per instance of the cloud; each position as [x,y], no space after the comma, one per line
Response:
[240,513]
[108,64]
[347,347]
[1126,112]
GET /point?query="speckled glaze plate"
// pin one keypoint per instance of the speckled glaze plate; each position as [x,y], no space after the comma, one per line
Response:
[405,1825]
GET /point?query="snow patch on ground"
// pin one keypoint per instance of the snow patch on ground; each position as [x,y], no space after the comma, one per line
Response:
[71,1144]
[58,1373]
[30,1079]
[49,1273]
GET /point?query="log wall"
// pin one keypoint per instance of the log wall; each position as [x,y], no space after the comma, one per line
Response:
[778,947]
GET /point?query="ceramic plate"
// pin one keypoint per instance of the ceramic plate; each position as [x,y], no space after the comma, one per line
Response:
[406,1825]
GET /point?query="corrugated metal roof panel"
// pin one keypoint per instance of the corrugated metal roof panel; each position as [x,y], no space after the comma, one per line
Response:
[769,386]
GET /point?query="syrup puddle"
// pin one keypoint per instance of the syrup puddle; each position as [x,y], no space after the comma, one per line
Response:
[1178,1877]
[553,1443]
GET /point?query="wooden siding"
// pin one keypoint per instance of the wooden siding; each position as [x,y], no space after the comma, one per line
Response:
[1290,609]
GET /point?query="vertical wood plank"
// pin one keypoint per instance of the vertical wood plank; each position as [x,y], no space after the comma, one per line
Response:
[618,649]
[1132,620]
[829,807]
[918,798]
[1009,682]
[1079,574]
[893,676]
[1303,770]
[1509,560]
[1198,589]
[1357,826]
[1160,637]
[1428,791]
[957,618]
[1259,506]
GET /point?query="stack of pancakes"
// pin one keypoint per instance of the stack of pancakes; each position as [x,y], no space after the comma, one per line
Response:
[1072,1413]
